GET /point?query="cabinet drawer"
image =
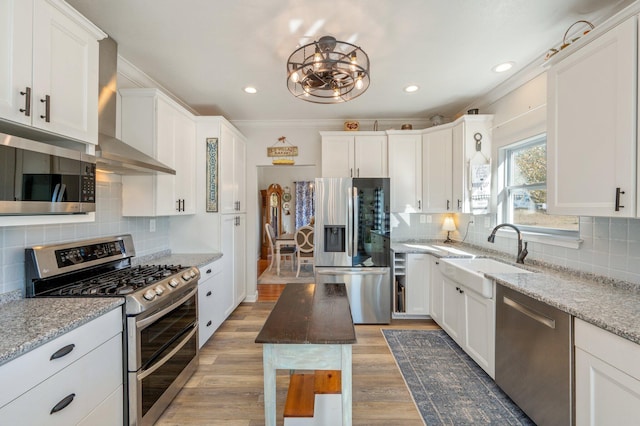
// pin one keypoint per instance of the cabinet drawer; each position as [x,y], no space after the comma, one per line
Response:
[210,269]
[89,384]
[35,366]
[618,352]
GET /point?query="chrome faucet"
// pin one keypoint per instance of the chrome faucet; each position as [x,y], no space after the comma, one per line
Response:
[522,253]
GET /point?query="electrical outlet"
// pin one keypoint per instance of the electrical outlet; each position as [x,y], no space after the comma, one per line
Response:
[429,220]
[152,225]
[423,218]
[471,223]
[487,222]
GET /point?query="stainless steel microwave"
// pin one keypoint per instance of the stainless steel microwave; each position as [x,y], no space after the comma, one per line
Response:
[37,178]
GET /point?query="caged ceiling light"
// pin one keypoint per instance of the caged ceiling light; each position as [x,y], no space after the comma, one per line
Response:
[328,71]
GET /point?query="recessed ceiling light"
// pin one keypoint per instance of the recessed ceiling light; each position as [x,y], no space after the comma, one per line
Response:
[411,88]
[251,90]
[506,66]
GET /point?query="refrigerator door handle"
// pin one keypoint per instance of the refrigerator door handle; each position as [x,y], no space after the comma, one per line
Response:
[349,223]
[356,224]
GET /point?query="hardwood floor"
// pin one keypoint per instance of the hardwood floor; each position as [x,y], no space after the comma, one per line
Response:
[227,388]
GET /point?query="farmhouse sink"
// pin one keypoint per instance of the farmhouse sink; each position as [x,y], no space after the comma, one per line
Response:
[471,273]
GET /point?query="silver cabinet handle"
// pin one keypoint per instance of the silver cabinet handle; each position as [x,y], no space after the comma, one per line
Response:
[27,101]
[47,108]
[529,312]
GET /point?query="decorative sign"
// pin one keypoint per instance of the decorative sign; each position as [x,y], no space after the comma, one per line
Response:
[212,174]
[282,151]
[283,154]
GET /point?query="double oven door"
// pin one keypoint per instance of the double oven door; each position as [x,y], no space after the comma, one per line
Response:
[162,355]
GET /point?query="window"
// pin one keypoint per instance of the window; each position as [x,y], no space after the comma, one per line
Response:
[524,196]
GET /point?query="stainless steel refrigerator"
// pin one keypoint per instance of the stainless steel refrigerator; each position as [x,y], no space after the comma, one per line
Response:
[352,243]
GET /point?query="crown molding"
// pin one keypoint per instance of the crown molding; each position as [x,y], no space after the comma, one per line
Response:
[332,124]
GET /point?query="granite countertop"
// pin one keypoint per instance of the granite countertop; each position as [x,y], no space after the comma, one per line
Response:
[609,304]
[26,324]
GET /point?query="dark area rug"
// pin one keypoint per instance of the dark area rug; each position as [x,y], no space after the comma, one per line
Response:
[447,386]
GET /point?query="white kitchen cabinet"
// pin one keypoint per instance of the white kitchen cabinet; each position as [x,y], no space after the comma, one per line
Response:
[39,383]
[232,167]
[214,300]
[49,68]
[347,154]
[467,153]
[436,288]
[405,171]
[591,127]
[607,377]
[417,284]
[437,171]
[157,126]
[469,318]
[233,236]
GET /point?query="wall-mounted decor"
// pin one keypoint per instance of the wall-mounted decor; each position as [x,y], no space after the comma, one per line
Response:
[283,152]
[212,174]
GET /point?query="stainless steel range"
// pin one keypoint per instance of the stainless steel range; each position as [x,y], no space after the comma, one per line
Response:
[161,336]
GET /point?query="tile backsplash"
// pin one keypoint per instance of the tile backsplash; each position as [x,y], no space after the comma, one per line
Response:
[109,221]
[610,247]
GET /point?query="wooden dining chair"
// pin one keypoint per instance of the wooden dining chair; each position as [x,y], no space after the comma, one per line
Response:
[304,245]
[286,252]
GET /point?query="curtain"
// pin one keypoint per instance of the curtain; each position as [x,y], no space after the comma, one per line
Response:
[304,203]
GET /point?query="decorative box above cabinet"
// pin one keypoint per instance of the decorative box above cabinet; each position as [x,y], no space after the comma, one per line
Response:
[157,126]
[354,154]
[49,69]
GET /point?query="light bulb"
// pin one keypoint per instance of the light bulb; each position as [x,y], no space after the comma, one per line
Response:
[295,77]
[336,93]
[354,62]
[317,59]
[359,83]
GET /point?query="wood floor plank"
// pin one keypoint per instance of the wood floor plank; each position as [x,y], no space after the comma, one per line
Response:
[227,388]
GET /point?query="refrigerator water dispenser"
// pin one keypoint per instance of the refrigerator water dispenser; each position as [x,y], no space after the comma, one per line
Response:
[334,238]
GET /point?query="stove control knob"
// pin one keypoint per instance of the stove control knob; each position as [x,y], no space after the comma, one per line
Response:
[174,282]
[186,276]
[192,273]
[149,294]
[159,290]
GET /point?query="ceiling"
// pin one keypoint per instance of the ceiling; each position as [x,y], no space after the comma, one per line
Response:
[206,51]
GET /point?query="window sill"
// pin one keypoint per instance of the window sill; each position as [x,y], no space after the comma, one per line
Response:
[547,239]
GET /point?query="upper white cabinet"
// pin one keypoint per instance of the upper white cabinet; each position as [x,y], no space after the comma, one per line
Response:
[232,168]
[591,127]
[405,171]
[437,171]
[49,68]
[157,126]
[471,147]
[347,154]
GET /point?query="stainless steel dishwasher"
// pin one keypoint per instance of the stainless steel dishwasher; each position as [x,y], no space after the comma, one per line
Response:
[534,357]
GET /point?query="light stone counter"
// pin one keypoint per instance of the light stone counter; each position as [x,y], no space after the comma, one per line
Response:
[26,324]
[610,304]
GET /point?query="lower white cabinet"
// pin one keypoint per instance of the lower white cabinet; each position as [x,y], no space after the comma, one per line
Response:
[466,316]
[215,298]
[233,235]
[607,377]
[417,284]
[68,388]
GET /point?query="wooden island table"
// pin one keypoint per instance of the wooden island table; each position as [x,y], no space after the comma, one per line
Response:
[310,328]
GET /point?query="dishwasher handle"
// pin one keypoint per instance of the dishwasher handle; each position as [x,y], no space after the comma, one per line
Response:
[529,312]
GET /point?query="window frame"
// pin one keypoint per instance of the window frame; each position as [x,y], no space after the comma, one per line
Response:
[505,212]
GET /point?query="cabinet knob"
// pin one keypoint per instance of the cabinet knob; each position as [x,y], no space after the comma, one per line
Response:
[63,403]
[208,271]
[209,293]
[62,352]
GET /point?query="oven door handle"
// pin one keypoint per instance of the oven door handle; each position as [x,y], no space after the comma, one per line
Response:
[143,323]
[167,357]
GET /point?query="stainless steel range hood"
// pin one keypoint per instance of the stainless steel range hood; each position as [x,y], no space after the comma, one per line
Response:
[114,155]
